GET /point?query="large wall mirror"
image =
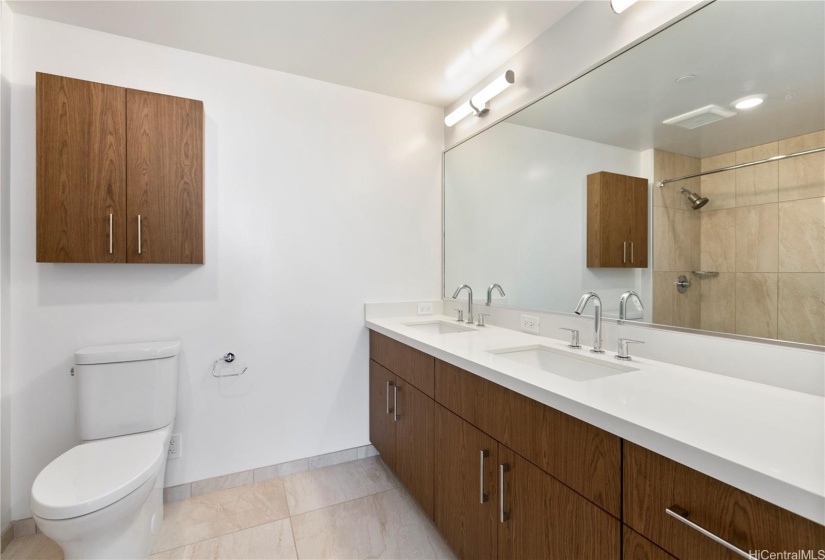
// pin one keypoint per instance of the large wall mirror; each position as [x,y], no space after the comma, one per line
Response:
[748,243]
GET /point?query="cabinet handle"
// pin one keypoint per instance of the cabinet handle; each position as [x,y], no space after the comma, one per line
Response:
[631,252]
[111,246]
[395,403]
[139,248]
[389,384]
[681,514]
[624,251]
[502,515]
[483,497]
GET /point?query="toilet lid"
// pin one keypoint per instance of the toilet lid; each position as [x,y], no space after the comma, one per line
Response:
[94,475]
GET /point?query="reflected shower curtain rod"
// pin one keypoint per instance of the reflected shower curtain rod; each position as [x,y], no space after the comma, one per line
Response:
[663,182]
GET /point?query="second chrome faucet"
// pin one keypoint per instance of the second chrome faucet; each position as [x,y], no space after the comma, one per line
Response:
[597,319]
[469,300]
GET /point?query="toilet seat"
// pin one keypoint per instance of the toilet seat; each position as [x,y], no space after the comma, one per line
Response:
[94,475]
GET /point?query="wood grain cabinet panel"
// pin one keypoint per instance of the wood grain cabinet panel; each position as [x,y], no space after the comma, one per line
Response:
[408,363]
[616,221]
[636,547]
[547,520]
[581,456]
[653,483]
[414,440]
[382,403]
[81,171]
[466,487]
[165,178]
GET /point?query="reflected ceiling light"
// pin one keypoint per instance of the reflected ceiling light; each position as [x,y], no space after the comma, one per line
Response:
[748,102]
[621,5]
[478,103]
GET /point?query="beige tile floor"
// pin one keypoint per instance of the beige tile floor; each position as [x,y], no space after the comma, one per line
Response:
[351,510]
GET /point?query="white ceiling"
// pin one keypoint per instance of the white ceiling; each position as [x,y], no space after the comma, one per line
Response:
[734,49]
[430,52]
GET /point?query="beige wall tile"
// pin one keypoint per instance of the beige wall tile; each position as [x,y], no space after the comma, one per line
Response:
[672,308]
[24,527]
[668,165]
[663,298]
[177,493]
[718,240]
[758,184]
[802,235]
[756,301]
[720,188]
[675,239]
[757,238]
[802,307]
[221,483]
[717,296]
[804,176]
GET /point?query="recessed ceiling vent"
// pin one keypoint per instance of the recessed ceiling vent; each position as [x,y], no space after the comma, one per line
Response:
[700,117]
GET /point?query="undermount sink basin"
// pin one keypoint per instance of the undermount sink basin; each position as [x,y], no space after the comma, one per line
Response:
[439,327]
[559,362]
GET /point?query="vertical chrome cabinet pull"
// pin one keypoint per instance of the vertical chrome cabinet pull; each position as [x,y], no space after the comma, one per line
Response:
[395,403]
[139,248]
[111,246]
[624,251]
[502,515]
[631,252]
[389,384]
[681,514]
[483,497]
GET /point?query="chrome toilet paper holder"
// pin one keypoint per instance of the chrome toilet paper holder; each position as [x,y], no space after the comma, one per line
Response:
[228,358]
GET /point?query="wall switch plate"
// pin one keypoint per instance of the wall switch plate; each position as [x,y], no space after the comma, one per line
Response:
[425,308]
[175,449]
[530,323]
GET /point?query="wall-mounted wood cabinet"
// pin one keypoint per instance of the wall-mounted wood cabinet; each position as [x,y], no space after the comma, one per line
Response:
[119,174]
[616,221]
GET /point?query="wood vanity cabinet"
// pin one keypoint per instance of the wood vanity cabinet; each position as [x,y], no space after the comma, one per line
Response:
[119,174]
[616,221]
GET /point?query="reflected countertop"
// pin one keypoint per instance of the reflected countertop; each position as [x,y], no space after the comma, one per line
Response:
[765,440]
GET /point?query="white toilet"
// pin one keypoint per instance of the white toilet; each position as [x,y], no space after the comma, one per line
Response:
[104,497]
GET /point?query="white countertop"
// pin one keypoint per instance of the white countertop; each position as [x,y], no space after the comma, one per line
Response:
[765,440]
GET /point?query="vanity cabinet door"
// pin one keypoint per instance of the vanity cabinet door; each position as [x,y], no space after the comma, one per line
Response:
[636,547]
[165,178]
[414,433]
[466,487]
[539,517]
[81,171]
[382,409]
[616,221]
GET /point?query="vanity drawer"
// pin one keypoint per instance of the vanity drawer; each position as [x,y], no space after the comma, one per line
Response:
[413,366]
[583,457]
[653,483]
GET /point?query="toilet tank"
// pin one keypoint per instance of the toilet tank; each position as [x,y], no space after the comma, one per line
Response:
[126,388]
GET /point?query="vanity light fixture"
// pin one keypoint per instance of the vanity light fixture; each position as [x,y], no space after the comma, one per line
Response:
[477,105]
[749,102]
[621,5]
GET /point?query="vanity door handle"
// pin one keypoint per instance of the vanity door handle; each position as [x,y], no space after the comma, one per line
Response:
[111,245]
[395,403]
[681,514]
[483,497]
[389,384]
[631,252]
[624,251]
[502,515]
[139,247]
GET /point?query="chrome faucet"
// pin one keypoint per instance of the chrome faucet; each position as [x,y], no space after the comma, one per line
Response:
[469,301]
[490,293]
[597,319]
[623,303]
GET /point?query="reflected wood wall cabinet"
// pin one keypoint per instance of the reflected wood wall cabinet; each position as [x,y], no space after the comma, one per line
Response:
[119,174]
[616,221]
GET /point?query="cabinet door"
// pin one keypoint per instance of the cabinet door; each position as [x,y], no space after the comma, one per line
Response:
[382,403]
[414,434]
[637,256]
[616,221]
[545,519]
[165,178]
[466,486]
[81,171]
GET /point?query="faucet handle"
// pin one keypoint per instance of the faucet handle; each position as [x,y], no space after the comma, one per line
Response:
[460,314]
[574,340]
[623,344]
[480,317]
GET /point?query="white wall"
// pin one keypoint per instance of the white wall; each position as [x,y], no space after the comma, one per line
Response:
[318,198]
[516,214]
[5,271]
[586,37]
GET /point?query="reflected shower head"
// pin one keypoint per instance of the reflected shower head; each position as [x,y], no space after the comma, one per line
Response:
[696,201]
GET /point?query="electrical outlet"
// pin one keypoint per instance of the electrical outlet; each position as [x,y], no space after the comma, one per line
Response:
[530,323]
[175,449]
[425,308]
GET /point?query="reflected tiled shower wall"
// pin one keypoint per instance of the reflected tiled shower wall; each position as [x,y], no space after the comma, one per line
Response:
[763,231]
